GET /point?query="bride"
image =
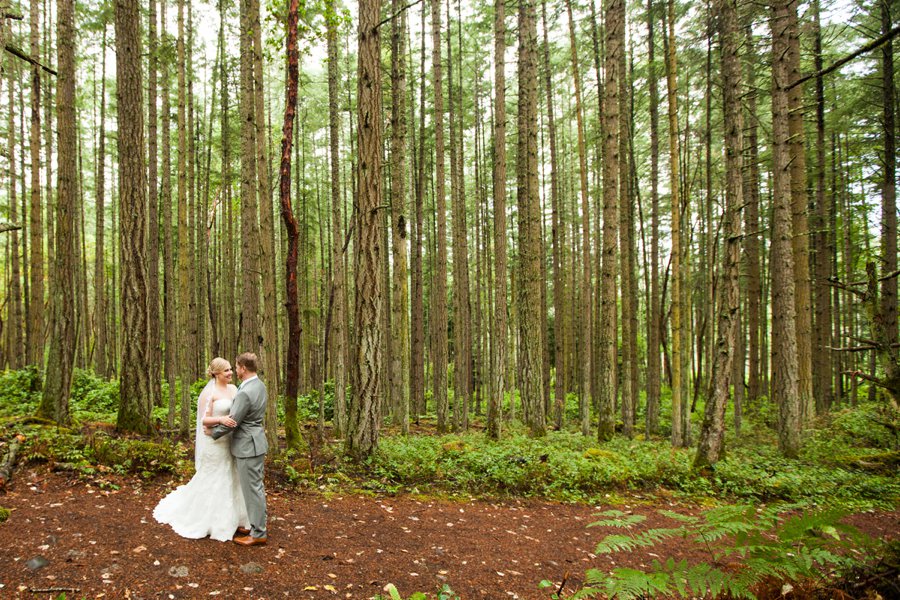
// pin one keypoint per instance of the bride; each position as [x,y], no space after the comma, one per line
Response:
[211,503]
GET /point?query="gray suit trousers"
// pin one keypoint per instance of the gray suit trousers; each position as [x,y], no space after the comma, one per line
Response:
[250,473]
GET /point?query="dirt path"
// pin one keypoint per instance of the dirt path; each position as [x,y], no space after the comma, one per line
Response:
[106,544]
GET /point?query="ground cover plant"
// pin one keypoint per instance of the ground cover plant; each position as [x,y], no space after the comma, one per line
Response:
[848,464]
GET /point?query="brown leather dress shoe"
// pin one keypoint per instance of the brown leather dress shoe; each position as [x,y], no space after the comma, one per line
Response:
[242,531]
[247,540]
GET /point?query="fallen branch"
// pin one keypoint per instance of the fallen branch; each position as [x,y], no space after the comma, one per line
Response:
[9,460]
[54,590]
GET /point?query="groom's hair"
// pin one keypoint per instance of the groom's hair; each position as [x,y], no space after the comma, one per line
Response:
[247,360]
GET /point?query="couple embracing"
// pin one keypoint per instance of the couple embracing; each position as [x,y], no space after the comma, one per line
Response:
[226,499]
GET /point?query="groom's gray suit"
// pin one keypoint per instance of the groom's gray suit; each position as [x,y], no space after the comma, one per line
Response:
[249,447]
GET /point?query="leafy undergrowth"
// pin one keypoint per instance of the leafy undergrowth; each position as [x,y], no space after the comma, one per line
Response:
[849,462]
[749,548]
[849,458]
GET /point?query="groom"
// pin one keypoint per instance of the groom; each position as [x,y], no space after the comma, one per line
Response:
[249,447]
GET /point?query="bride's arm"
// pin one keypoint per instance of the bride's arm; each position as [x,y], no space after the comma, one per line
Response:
[208,419]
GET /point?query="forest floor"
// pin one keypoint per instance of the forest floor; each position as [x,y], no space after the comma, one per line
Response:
[67,535]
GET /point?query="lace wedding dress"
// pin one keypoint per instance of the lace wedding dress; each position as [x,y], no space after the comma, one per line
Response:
[211,503]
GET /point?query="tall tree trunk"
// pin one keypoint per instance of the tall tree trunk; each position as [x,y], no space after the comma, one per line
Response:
[558,230]
[417,308]
[362,438]
[785,368]
[530,243]
[16,346]
[269,324]
[679,311]
[100,311]
[135,395]
[439,287]
[823,390]
[169,281]
[499,333]
[628,280]
[615,25]
[185,262]
[337,333]
[400,320]
[294,332]
[61,359]
[752,229]
[196,331]
[654,367]
[585,401]
[249,257]
[461,303]
[35,330]
[153,316]
[712,434]
[799,218]
[888,306]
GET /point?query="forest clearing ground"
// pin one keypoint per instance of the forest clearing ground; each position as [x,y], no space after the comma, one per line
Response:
[104,543]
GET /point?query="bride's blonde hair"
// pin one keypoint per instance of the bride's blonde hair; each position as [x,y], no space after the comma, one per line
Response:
[217,366]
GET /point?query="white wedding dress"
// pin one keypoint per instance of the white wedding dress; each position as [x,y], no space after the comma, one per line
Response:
[211,503]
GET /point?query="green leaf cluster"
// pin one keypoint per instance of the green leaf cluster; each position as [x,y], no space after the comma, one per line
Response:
[747,546]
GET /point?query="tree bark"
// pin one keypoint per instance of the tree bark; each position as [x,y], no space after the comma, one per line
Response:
[337,334]
[654,367]
[249,272]
[61,359]
[608,288]
[185,254]
[586,293]
[439,285]
[362,438]
[100,311]
[153,232]
[889,184]
[679,311]
[16,346]
[558,231]
[400,305]
[294,332]
[823,390]
[135,387]
[785,368]
[35,329]
[800,221]
[499,332]
[712,435]
[751,226]
[530,243]
[462,361]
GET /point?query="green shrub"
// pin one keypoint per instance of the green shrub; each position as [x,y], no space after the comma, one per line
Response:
[20,392]
[4,514]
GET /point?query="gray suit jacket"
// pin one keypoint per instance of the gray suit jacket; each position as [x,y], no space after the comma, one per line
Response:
[249,409]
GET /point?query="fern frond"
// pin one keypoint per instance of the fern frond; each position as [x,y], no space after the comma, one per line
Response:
[800,526]
[651,537]
[620,520]
[629,584]
[678,516]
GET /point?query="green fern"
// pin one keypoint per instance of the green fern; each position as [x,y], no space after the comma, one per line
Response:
[626,543]
[747,546]
[618,519]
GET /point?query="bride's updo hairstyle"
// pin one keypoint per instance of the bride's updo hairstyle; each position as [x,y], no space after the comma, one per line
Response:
[217,366]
